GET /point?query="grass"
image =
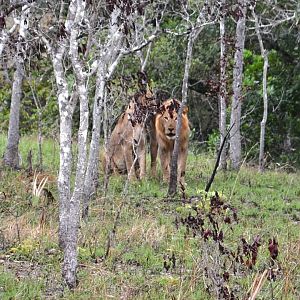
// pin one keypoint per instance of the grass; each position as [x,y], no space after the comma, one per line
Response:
[139,264]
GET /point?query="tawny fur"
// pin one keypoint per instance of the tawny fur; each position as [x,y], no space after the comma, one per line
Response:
[165,127]
[127,142]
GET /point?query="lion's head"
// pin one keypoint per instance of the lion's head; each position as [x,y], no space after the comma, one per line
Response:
[168,117]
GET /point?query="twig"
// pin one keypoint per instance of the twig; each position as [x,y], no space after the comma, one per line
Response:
[212,177]
[256,287]
[113,231]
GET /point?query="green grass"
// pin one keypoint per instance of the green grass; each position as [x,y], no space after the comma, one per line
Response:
[12,287]
[146,236]
[50,150]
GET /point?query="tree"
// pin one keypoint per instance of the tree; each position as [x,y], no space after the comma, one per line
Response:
[205,16]
[117,44]
[223,88]
[264,54]
[108,50]
[236,105]
[11,155]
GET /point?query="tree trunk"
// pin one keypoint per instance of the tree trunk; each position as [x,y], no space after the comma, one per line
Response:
[4,36]
[91,176]
[223,89]
[108,62]
[11,155]
[174,160]
[235,118]
[265,114]
[264,54]
[40,124]
[65,140]
[40,138]
[70,253]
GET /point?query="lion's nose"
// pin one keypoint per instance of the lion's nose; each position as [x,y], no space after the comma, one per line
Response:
[171,129]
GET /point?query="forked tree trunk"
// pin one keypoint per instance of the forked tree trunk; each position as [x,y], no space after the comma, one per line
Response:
[235,118]
[264,54]
[223,89]
[174,160]
[108,62]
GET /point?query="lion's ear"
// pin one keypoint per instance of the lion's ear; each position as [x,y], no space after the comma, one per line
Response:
[185,110]
[162,109]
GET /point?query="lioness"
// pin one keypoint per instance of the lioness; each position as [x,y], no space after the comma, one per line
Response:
[165,127]
[128,138]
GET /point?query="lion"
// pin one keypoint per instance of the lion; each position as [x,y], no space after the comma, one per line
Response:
[165,127]
[126,153]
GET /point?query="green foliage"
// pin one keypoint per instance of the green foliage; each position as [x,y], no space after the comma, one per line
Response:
[5,94]
[25,249]
[213,142]
[283,95]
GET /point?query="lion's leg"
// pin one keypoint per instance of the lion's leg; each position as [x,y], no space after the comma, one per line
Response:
[129,163]
[165,163]
[182,165]
[153,149]
[142,158]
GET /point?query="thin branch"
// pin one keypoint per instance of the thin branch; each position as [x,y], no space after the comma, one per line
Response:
[212,177]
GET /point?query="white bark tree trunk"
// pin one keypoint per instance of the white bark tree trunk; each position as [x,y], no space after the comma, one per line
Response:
[70,251]
[66,109]
[11,155]
[108,62]
[264,54]
[109,54]
[65,139]
[235,118]
[223,88]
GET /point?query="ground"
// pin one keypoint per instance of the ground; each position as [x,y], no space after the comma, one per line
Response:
[144,245]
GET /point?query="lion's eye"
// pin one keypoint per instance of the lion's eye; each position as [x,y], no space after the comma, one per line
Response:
[166,118]
[175,118]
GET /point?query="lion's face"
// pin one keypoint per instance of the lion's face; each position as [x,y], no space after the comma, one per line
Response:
[168,119]
[165,128]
